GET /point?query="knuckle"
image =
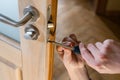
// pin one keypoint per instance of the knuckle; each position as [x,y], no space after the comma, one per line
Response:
[83,50]
[106,49]
[89,45]
[97,43]
[58,48]
[102,56]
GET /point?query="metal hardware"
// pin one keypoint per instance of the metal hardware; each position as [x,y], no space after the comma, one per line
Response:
[31,32]
[30,13]
[50,21]
[75,49]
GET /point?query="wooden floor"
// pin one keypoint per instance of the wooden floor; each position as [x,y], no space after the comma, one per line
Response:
[77,16]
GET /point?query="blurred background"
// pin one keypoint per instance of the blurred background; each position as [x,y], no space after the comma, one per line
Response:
[91,21]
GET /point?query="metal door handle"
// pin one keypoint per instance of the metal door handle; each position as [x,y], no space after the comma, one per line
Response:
[30,13]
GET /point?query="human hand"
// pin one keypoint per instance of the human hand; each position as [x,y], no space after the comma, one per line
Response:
[103,57]
[69,58]
[73,62]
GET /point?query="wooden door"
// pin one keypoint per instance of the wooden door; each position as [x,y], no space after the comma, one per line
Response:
[10,60]
[30,59]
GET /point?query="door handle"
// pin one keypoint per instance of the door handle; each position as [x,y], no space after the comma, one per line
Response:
[30,13]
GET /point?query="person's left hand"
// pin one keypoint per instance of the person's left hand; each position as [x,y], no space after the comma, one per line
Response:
[70,59]
[73,62]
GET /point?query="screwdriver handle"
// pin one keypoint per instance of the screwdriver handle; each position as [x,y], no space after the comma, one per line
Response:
[76,50]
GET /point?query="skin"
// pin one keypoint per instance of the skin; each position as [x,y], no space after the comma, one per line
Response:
[73,62]
[103,57]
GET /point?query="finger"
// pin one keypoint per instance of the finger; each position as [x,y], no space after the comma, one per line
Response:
[107,44]
[60,51]
[111,45]
[94,50]
[70,44]
[59,48]
[98,55]
[67,55]
[99,45]
[108,41]
[68,39]
[74,38]
[86,55]
[61,54]
[71,38]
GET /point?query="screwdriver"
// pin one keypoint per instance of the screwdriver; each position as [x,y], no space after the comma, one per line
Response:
[75,49]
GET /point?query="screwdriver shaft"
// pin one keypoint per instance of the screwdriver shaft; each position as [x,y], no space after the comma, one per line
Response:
[60,44]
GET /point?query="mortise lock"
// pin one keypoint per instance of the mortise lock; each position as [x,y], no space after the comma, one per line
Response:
[31,32]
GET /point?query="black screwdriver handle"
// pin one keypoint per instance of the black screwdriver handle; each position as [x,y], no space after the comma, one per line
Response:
[76,50]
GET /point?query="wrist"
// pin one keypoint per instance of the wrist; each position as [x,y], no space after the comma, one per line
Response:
[78,74]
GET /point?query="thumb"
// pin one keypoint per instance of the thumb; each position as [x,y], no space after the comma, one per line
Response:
[67,54]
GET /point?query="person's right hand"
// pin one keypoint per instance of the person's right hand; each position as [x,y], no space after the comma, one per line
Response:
[70,59]
[103,57]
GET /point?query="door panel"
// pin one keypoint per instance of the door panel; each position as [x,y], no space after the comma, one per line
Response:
[10,60]
[10,53]
[9,71]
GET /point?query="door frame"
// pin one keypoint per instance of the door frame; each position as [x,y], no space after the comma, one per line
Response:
[100,9]
[100,6]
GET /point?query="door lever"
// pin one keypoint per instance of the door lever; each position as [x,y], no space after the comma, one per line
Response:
[30,13]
